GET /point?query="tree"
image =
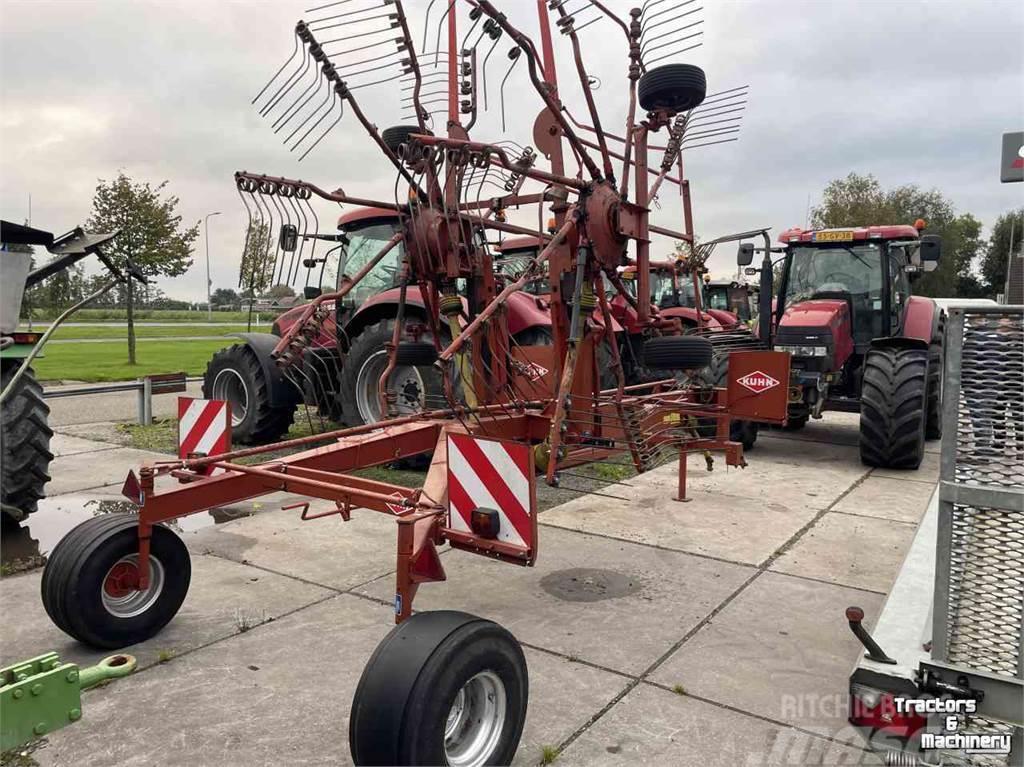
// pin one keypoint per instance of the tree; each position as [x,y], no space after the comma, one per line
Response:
[150,234]
[257,270]
[861,201]
[224,297]
[993,264]
[281,291]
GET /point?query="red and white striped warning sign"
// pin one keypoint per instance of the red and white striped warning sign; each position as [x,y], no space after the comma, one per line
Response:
[204,427]
[491,474]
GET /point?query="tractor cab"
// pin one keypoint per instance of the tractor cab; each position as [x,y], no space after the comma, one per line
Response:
[729,296]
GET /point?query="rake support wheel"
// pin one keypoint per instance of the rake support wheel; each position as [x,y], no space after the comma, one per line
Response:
[397,135]
[673,87]
[677,353]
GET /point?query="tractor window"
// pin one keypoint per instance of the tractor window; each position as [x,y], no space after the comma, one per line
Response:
[365,242]
[841,269]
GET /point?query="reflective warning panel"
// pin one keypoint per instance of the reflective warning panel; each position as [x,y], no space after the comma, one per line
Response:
[496,474]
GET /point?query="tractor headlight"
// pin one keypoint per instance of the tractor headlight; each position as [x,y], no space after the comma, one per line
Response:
[804,351]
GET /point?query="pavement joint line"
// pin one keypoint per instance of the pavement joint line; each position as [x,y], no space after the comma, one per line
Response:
[754,715]
[247,563]
[761,569]
[829,583]
[902,479]
[870,516]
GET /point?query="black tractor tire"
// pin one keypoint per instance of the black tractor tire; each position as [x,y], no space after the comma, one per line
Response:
[936,362]
[81,593]
[675,87]
[677,353]
[717,374]
[397,135]
[368,347]
[25,435]
[428,663]
[893,407]
[235,374]
[795,423]
[416,353]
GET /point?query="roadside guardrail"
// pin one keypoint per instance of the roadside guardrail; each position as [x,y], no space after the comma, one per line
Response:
[164,383]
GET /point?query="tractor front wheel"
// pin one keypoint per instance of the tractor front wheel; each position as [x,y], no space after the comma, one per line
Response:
[26,443]
[235,375]
[443,687]
[893,407]
[90,584]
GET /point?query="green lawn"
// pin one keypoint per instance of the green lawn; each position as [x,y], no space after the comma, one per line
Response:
[66,333]
[161,315]
[109,361]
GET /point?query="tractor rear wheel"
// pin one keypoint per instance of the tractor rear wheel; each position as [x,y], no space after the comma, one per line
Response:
[89,585]
[443,687]
[936,362]
[26,443]
[893,407]
[235,375]
[675,87]
[717,374]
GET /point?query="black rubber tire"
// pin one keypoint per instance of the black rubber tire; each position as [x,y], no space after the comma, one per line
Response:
[25,435]
[795,424]
[74,577]
[411,680]
[893,407]
[262,423]
[397,135]
[717,374]
[675,87]
[936,362]
[416,353]
[677,353]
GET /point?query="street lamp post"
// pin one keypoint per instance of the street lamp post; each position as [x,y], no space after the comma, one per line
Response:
[206,229]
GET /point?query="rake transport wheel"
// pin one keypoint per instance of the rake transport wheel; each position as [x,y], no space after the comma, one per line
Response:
[716,374]
[26,443]
[893,407]
[89,586]
[235,374]
[936,362]
[675,87]
[397,135]
[677,353]
[443,688]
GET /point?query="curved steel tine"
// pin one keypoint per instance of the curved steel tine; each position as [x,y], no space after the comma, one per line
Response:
[710,143]
[483,67]
[290,83]
[329,96]
[671,32]
[368,9]
[263,266]
[671,54]
[277,74]
[426,24]
[673,42]
[327,5]
[330,127]
[287,115]
[645,20]
[329,110]
[391,16]
[514,55]
[248,236]
[437,43]
[278,260]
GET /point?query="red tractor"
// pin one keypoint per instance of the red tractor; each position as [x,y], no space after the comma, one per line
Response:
[348,356]
[860,342]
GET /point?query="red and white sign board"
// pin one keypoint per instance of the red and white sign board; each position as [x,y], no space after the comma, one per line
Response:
[486,473]
[204,427]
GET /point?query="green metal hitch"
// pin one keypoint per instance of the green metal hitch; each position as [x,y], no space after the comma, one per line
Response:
[41,695]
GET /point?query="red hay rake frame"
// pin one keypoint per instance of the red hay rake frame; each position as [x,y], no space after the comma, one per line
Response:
[565,418]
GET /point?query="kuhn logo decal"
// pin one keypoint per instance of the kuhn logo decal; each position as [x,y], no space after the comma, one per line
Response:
[757,382]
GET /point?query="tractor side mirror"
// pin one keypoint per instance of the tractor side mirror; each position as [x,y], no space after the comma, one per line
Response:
[288,238]
[310,292]
[931,250]
[745,255]
[750,271]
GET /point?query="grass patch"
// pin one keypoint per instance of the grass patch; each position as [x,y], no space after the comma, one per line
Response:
[109,361]
[679,689]
[548,754]
[22,755]
[163,315]
[162,656]
[120,333]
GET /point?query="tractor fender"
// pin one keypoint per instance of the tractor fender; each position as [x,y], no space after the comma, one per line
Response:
[921,319]
[688,315]
[282,393]
[899,342]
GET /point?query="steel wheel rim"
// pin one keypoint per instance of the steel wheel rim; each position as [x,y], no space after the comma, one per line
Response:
[475,721]
[228,385]
[405,382]
[122,601]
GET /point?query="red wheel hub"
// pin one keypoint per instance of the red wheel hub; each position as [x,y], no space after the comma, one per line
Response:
[122,580]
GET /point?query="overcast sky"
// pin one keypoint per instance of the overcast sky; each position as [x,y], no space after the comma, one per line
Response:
[913,92]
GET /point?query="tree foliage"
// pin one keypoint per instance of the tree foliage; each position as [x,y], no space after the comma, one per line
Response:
[861,201]
[224,297]
[151,233]
[257,270]
[993,265]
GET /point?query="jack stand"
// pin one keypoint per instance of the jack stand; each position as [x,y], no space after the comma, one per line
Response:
[681,496]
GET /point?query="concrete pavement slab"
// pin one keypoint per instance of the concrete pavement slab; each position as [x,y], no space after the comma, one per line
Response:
[887,498]
[326,551]
[281,694]
[223,598]
[781,649]
[860,552]
[65,444]
[928,471]
[617,604]
[724,526]
[651,726]
[81,471]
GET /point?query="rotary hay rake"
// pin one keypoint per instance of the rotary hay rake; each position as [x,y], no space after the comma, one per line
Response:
[446,687]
